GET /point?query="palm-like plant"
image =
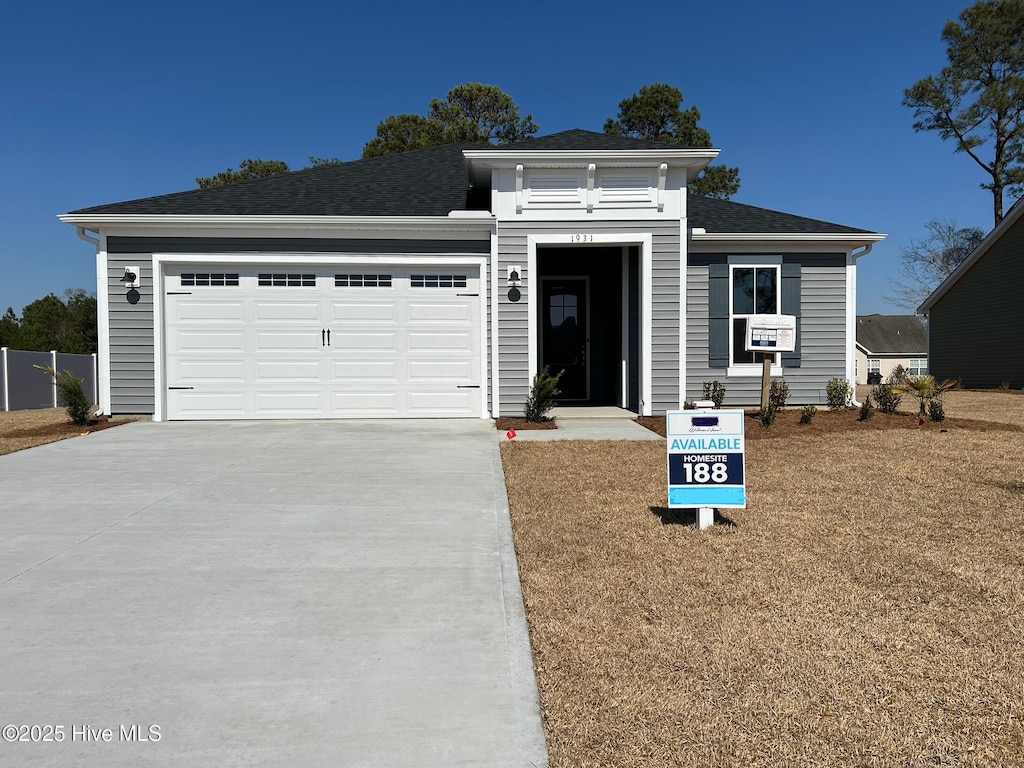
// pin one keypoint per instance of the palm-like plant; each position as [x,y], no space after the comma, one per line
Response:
[925,389]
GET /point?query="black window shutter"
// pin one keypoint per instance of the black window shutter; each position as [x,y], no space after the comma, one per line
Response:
[718,315]
[791,306]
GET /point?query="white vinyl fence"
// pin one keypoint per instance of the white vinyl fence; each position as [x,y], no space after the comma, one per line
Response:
[24,387]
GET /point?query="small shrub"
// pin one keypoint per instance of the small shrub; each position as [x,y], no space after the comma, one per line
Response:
[925,389]
[542,395]
[958,383]
[778,394]
[898,376]
[887,398]
[867,409]
[838,393]
[71,394]
[935,410]
[807,414]
[1004,385]
[767,416]
[689,405]
[714,391]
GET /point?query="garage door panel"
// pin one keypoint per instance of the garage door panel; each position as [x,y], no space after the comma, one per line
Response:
[227,371]
[363,370]
[290,403]
[365,402]
[207,311]
[385,341]
[288,311]
[441,370]
[250,351]
[210,405]
[425,341]
[298,370]
[207,341]
[419,312]
[431,403]
[363,312]
[287,341]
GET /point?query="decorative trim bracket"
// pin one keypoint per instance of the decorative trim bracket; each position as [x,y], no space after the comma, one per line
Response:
[591,173]
[519,188]
[662,175]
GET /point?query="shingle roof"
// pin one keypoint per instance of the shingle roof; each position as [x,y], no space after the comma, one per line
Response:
[426,182]
[579,139]
[726,216]
[892,334]
[431,182]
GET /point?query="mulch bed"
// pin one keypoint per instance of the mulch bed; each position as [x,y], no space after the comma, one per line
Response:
[63,429]
[505,423]
[787,424]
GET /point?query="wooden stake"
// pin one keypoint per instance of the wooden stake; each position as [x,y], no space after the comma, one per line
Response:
[766,379]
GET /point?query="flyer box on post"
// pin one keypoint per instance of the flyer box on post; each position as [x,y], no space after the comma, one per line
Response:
[706,459]
[771,333]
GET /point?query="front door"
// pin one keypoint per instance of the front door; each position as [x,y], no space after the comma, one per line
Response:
[564,339]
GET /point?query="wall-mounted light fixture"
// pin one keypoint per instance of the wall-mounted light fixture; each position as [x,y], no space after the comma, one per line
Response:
[514,276]
[131,277]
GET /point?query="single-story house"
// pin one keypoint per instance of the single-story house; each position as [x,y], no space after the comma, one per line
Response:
[885,341]
[437,283]
[976,318]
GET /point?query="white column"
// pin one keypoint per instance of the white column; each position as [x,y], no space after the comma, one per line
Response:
[53,365]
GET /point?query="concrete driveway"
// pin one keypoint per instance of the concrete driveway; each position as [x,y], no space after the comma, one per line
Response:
[282,594]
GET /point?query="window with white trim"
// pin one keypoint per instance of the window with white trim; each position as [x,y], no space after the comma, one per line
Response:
[918,366]
[438,281]
[362,281]
[754,290]
[209,279]
[286,280]
[874,365]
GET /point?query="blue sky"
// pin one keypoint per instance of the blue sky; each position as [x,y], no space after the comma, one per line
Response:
[112,101]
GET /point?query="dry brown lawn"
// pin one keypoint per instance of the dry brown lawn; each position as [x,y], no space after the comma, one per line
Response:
[26,429]
[866,609]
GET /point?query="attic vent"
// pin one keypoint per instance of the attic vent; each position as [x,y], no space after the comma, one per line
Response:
[438,281]
[279,280]
[219,279]
[362,281]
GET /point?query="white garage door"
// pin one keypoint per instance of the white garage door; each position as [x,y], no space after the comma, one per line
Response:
[346,342]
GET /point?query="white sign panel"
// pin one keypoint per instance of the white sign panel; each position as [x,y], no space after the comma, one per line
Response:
[771,333]
[706,459]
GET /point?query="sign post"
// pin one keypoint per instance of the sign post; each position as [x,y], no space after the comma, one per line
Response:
[769,334]
[706,461]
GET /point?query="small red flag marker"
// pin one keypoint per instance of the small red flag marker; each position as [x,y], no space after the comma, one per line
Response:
[920,421]
[511,434]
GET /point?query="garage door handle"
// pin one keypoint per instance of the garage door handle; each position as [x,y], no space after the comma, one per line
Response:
[467,294]
[181,387]
[328,337]
[468,386]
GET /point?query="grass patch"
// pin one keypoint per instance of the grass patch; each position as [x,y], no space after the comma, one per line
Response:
[867,608]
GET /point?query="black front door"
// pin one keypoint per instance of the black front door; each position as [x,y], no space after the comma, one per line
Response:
[564,341]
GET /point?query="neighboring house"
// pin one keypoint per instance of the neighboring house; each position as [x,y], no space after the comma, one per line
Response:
[885,341]
[976,316]
[437,283]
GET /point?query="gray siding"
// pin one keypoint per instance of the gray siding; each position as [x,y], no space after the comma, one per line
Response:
[513,338]
[131,336]
[822,332]
[974,330]
[131,326]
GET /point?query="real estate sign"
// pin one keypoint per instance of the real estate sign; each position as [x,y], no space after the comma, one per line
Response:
[706,459]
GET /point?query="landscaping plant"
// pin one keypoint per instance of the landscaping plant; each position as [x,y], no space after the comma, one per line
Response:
[925,389]
[767,415]
[715,392]
[72,396]
[807,414]
[542,395]
[778,394]
[838,393]
[898,375]
[886,397]
[867,410]
[936,412]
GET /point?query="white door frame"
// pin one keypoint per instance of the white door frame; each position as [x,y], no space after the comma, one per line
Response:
[645,241]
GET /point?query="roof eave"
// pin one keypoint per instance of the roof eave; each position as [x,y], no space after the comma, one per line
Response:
[854,239]
[461,221]
[997,232]
[509,158]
